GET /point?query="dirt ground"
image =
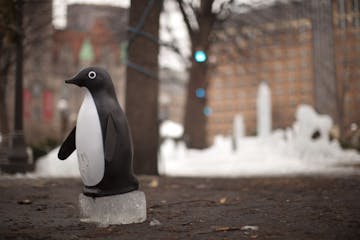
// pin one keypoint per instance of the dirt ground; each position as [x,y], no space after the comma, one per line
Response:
[321,207]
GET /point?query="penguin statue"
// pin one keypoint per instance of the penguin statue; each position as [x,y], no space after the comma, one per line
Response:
[101,137]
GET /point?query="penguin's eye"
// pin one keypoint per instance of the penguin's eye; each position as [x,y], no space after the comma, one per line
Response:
[92,75]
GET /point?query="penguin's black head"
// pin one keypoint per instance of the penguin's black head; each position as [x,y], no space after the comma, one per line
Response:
[93,78]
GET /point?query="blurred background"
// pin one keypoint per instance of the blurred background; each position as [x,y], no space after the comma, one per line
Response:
[185,72]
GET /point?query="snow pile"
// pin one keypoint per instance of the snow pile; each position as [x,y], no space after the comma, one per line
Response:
[284,152]
[300,142]
[51,166]
[169,129]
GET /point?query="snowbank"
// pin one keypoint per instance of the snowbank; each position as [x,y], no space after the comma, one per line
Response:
[255,157]
[169,129]
[51,166]
[284,152]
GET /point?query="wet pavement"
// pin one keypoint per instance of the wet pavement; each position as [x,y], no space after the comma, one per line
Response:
[312,207]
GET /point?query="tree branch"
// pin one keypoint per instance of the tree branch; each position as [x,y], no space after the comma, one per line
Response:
[186,18]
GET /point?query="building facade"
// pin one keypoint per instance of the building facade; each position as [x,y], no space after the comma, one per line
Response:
[279,45]
[95,35]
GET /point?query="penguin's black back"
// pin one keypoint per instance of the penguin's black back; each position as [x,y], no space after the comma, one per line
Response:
[118,175]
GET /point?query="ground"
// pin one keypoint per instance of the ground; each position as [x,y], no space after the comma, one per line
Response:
[312,207]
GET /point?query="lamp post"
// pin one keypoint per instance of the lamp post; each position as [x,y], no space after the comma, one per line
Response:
[18,157]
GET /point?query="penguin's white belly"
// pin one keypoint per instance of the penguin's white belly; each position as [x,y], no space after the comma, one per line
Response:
[89,143]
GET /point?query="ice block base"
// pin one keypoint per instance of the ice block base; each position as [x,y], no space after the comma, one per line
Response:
[124,208]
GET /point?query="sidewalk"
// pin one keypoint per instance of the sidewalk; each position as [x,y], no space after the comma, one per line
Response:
[185,208]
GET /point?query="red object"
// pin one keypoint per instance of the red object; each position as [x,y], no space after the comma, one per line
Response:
[48,105]
[27,102]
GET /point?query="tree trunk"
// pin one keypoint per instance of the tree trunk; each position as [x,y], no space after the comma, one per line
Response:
[142,85]
[195,118]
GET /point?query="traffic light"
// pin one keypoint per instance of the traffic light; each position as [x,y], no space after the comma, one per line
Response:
[200,93]
[207,111]
[200,56]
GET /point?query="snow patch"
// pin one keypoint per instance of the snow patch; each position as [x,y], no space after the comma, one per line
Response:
[170,129]
[293,151]
[285,152]
[50,166]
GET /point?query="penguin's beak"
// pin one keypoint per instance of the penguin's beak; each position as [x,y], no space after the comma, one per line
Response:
[70,81]
[76,80]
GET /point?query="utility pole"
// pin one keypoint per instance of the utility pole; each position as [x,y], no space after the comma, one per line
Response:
[18,157]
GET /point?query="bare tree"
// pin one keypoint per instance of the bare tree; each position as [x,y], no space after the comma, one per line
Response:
[8,35]
[199,21]
[195,119]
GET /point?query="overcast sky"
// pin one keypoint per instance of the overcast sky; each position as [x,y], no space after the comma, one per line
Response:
[59,8]
[167,58]
[170,18]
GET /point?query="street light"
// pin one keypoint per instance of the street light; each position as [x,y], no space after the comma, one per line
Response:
[17,156]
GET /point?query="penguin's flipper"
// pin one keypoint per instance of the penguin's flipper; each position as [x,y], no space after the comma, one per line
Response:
[68,146]
[111,139]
